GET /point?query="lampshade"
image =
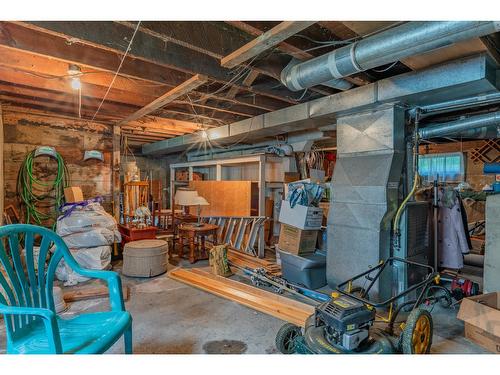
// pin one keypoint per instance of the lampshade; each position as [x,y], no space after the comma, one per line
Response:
[200,201]
[186,197]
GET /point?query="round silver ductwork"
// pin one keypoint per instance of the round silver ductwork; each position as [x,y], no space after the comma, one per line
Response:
[408,39]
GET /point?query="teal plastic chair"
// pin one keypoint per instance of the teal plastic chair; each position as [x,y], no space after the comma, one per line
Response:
[27,303]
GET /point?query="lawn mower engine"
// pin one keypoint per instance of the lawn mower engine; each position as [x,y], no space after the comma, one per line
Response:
[343,325]
[346,322]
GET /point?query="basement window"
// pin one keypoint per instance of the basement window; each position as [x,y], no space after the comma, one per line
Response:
[444,167]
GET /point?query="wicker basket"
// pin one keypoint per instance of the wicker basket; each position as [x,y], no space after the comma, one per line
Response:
[145,258]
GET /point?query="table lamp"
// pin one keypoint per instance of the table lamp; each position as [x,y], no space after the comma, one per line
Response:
[185,197]
[200,201]
[190,197]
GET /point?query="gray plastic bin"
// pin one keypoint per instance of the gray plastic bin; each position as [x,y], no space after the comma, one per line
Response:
[307,270]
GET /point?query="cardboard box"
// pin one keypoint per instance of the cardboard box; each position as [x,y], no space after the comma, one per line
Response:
[73,194]
[184,176]
[302,217]
[481,315]
[291,177]
[297,241]
[326,209]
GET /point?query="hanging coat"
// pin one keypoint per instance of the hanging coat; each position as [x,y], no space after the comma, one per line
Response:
[452,241]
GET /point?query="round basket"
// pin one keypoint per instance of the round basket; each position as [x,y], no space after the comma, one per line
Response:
[145,258]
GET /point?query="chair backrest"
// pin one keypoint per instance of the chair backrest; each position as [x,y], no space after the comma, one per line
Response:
[26,278]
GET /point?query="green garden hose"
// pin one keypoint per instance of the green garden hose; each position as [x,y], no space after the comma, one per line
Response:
[41,198]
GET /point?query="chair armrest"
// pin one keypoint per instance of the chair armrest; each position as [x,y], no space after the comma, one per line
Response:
[112,279]
[21,310]
[49,321]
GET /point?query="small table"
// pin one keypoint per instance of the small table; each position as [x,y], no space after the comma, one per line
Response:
[190,231]
[130,233]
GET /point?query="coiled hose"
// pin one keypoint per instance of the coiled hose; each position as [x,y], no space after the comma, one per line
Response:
[41,198]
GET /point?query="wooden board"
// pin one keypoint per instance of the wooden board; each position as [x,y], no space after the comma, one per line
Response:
[269,39]
[80,294]
[269,303]
[184,88]
[227,198]
[243,260]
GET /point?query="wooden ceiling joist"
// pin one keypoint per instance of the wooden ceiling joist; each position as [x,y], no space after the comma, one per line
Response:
[147,76]
[109,36]
[213,39]
[248,81]
[291,49]
[283,46]
[166,98]
[267,40]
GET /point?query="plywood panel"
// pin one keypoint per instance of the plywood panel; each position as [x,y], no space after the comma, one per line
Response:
[227,198]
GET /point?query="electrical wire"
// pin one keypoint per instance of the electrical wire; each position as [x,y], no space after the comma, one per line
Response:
[117,71]
[302,96]
[79,102]
[385,69]
[329,42]
[41,199]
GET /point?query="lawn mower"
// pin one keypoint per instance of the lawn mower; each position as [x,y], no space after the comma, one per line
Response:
[345,323]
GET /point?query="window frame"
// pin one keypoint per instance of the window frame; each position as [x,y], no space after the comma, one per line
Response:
[462,174]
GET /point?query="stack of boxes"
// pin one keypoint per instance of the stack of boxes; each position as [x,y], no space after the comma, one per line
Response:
[299,230]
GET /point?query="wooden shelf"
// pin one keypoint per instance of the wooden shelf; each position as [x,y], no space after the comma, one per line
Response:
[137,183]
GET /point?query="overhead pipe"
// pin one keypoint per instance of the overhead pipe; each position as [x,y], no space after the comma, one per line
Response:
[456,105]
[408,39]
[339,84]
[488,132]
[461,126]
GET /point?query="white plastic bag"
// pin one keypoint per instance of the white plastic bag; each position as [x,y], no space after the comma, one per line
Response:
[96,258]
[92,238]
[83,219]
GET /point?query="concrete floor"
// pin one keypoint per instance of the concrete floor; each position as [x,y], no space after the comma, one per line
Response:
[171,317]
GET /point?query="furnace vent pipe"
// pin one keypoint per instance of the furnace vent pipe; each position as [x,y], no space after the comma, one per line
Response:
[461,126]
[456,104]
[408,39]
[488,132]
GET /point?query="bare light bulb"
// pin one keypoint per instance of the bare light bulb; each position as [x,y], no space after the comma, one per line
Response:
[76,84]
[204,134]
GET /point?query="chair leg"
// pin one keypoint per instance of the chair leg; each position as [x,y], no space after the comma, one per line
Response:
[128,340]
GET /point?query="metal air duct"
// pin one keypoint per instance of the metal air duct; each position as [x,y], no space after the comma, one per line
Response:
[408,39]
[471,125]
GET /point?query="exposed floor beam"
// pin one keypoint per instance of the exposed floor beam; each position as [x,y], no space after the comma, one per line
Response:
[109,36]
[146,76]
[292,50]
[166,98]
[283,46]
[267,40]
[20,67]
[492,43]
[248,81]
[209,37]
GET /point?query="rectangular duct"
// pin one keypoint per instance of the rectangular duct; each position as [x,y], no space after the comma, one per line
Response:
[453,80]
[370,156]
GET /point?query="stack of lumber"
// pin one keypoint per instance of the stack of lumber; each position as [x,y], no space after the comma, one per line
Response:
[244,260]
[79,294]
[269,303]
